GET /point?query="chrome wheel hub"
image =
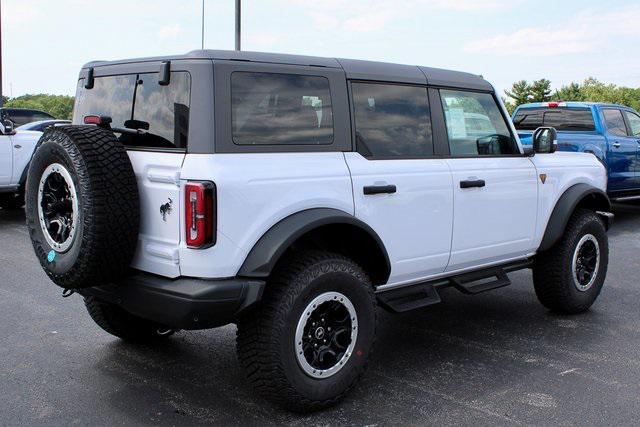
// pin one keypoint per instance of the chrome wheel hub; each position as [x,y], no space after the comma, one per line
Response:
[586,262]
[326,335]
[57,207]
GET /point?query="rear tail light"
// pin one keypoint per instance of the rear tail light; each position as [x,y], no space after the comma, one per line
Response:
[200,214]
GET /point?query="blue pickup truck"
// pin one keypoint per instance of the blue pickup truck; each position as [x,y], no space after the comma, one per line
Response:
[610,132]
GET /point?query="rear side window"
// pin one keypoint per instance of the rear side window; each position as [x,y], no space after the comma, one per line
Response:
[138,102]
[22,117]
[564,119]
[280,109]
[475,125]
[615,122]
[392,121]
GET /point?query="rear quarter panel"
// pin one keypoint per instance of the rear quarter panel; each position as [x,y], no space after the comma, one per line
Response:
[563,170]
[254,192]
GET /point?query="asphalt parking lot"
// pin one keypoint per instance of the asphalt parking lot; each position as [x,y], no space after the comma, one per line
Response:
[495,358]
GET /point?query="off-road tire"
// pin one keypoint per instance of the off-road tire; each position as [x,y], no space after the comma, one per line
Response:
[553,271]
[266,336]
[11,201]
[106,232]
[123,324]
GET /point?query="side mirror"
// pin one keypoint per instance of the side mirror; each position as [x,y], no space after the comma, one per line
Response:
[8,127]
[545,140]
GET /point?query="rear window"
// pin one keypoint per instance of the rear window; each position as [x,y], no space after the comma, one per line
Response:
[280,109]
[22,117]
[138,102]
[565,119]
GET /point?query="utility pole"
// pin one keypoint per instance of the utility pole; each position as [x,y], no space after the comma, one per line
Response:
[202,24]
[238,23]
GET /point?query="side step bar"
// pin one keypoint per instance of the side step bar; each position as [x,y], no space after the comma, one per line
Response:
[423,294]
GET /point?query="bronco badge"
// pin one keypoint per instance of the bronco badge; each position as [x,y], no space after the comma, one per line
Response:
[166,209]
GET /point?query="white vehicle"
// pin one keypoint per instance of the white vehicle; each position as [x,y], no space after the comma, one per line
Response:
[16,149]
[293,195]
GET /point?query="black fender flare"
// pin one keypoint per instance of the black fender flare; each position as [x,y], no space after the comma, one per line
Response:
[566,205]
[269,248]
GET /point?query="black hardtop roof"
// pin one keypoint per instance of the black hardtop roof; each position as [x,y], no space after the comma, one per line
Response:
[354,69]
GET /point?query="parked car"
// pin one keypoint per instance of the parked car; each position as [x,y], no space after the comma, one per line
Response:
[21,116]
[610,132]
[292,195]
[41,125]
[16,149]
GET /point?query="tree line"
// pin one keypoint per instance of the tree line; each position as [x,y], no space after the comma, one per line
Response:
[59,106]
[521,92]
[592,90]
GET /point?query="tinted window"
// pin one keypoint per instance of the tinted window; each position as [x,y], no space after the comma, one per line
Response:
[287,109]
[634,123]
[615,122]
[475,125]
[564,119]
[161,112]
[21,117]
[392,120]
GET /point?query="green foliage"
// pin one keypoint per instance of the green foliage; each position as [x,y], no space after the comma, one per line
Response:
[520,92]
[59,106]
[540,90]
[591,90]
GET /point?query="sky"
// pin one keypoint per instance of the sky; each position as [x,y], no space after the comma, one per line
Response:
[45,42]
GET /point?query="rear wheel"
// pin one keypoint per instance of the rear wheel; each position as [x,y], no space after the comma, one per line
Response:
[569,277]
[309,341]
[123,324]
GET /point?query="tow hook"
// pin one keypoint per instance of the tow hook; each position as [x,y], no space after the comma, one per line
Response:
[67,293]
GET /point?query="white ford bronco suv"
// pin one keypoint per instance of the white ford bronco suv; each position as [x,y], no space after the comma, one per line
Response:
[295,195]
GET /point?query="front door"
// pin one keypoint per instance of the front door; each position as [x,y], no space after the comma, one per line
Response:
[6,160]
[495,188]
[399,189]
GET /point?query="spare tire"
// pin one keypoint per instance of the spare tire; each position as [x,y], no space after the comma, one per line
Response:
[82,206]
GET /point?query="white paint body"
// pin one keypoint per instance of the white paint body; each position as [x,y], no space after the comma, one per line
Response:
[15,153]
[430,226]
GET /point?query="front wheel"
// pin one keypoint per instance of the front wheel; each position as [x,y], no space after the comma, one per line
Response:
[569,277]
[310,339]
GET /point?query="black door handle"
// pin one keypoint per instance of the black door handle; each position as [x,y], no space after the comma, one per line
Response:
[472,183]
[379,189]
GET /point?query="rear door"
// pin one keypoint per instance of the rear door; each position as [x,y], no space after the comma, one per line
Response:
[622,149]
[399,188]
[133,98]
[495,187]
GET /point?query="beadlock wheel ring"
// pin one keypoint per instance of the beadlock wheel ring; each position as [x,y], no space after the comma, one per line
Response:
[57,207]
[326,335]
[586,262]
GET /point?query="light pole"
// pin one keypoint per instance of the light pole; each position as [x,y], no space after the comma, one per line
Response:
[238,24]
[202,25]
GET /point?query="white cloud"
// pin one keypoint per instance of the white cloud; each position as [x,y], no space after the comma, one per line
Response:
[585,33]
[374,15]
[170,32]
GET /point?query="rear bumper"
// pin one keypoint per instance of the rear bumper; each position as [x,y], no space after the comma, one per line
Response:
[184,303]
